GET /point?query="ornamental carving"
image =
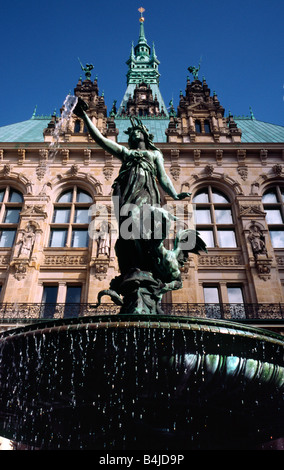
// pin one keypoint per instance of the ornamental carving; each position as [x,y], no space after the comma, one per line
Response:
[220,260]
[108,171]
[41,170]
[257,241]
[277,169]
[20,269]
[34,210]
[4,259]
[250,210]
[26,242]
[243,172]
[262,261]
[101,268]
[175,172]
[65,260]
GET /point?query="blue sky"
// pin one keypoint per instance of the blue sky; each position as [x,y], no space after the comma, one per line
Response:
[240,42]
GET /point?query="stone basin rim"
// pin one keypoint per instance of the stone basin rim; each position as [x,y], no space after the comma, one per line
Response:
[145,321]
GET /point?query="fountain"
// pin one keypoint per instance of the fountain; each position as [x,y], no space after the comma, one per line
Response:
[141,379]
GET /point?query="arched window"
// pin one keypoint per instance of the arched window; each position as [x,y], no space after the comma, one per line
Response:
[198,127]
[273,204]
[214,219]
[70,219]
[11,202]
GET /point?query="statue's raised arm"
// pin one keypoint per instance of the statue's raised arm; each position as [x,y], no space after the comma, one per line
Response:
[108,145]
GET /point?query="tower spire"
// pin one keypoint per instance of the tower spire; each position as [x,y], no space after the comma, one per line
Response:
[142,38]
[143,70]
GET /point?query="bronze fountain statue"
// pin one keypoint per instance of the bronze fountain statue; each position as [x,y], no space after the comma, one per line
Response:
[147,268]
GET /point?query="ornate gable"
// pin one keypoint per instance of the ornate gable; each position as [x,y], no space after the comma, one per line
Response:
[200,116]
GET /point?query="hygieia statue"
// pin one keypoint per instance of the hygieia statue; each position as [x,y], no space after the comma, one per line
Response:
[147,269]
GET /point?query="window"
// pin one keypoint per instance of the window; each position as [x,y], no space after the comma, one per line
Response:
[72,301]
[211,296]
[11,202]
[231,304]
[70,219]
[236,301]
[49,298]
[214,219]
[77,126]
[198,127]
[273,204]
[207,129]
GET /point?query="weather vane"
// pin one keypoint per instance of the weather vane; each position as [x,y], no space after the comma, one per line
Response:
[141,19]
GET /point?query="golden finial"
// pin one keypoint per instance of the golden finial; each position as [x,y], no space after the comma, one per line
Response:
[141,19]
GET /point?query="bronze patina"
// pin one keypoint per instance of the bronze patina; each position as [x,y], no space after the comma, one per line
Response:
[147,269]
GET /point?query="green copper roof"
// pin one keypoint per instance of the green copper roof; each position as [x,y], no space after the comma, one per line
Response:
[156,126]
[253,131]
[25,131]
[258,131]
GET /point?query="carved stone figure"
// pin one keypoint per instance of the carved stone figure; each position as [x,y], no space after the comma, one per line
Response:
[257,240]
[104,240]
[26,243]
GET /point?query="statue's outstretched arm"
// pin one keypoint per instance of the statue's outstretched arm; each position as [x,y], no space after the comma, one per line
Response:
[108,145]
[165,181]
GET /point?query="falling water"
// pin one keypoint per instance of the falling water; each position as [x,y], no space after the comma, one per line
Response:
[62,125]
[116,384]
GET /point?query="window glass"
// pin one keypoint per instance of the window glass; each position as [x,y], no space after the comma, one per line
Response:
[218,197]
[61,216]
[49,299]
[58,237]
[7,238]
[227,239]
[213,208]
[2,192]
[223,216]
[277,238]
[201,197]
[82,196]
[73,294]
[207,237]
[75,210]
[207,127]
[12,216]
[82,216]
[235,295]
[77,126]
[197,126]
[49,294]
[211,295]
[202,216]
[65,197]
[273,216]
[15,196]
[269,197]
[80,238]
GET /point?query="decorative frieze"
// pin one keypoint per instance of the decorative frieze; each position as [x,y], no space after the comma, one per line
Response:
[65,260]
[220,260]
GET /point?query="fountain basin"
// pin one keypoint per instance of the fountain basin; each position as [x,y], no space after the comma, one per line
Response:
[141,382]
